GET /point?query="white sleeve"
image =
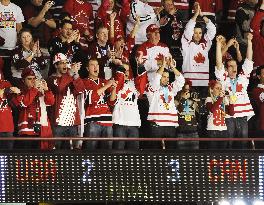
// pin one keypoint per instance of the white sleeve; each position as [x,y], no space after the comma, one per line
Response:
[247,67]
[20,16]
[189,30]
[211,30]
[220,73]
[178,84]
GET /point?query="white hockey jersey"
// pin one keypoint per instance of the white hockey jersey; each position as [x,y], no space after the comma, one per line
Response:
[242,106]
[126,108]
[161,111]
[195,65]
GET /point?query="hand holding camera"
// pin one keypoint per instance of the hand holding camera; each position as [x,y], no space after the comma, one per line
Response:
[41,85]
[48,5]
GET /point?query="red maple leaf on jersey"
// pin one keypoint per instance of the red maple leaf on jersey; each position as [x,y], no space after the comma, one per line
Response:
[199,58]
[159,57]
[239,87]
[124,95]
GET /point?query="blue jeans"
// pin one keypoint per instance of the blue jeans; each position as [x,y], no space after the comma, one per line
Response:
[6,144]
[218,144]
[93,129]
[237,127]
[126,131]
[160,132]
[65,131]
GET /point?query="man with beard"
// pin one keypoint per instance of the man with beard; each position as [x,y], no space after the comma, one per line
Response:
[162,113]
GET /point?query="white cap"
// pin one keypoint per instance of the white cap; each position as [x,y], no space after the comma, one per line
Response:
[59,57]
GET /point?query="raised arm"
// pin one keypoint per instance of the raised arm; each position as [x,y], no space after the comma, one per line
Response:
[249,47]
[219,63]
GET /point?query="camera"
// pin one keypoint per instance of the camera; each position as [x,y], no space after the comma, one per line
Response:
[37,128]
[194,95]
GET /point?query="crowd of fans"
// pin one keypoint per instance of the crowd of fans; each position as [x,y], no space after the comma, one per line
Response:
[131,68]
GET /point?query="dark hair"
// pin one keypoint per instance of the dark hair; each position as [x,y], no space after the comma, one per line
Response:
[101,26]
[23,30]
[62,23]
[200,25]
[259,69]
[63,15]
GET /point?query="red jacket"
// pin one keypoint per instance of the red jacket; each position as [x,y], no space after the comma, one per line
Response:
[65,110]
[6,118]
[258,40]
[258,96]
[104,17]
[30,110]
[82,14]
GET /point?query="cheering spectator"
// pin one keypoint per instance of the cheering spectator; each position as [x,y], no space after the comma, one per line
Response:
[33,119]
[100,49]
[153,51]
[217,104]
[162,110]
[236,86]
[27,55]
[67,43]
[126,116]
[66,85]
[188,114]
[195,48]
[39,20]
[100,93]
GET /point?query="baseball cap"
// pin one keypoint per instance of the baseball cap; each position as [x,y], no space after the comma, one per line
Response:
[152,28]
[59,57]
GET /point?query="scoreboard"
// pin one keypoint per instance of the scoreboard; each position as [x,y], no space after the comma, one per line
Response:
[149,176]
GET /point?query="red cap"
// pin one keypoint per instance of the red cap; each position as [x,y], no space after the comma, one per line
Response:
[152,28]
[27,72]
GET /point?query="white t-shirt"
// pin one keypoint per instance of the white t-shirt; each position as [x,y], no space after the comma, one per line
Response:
[9,16]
